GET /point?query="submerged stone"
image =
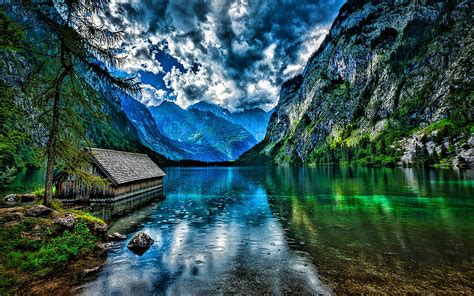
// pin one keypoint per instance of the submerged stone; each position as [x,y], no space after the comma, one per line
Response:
[140,243]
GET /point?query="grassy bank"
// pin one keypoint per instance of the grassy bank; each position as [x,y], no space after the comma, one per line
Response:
[39,250]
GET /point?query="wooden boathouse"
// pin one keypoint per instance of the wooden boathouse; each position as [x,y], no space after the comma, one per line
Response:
[128,174]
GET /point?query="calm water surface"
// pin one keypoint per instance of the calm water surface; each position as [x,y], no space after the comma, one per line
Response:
[25,182]
[298,230]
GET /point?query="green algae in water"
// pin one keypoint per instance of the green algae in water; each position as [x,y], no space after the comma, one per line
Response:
[460,182]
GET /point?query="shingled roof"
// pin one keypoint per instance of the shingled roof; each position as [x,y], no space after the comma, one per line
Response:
[124,167]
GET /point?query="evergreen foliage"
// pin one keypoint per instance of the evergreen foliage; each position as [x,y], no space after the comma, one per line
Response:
[70,58]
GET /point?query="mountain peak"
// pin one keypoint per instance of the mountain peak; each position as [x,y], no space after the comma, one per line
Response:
[205,106]
[169,104]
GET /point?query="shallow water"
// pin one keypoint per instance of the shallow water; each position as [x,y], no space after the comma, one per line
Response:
[25,182]
[298,230]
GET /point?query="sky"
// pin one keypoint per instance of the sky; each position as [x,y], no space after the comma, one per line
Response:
[233,53]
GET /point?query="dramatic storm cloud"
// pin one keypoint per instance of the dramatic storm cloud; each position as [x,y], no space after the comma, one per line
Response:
[232,53]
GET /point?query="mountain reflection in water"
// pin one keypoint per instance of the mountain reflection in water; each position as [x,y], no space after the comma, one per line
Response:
[261,230]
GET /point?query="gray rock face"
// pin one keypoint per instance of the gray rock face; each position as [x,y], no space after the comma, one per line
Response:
[38,211]
[382,61]
[465,156]
[140,243]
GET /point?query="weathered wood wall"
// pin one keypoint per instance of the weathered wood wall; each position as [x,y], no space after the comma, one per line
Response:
[74,190]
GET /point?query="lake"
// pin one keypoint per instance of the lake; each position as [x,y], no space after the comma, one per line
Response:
[25,181]
[255,230]
[281,230]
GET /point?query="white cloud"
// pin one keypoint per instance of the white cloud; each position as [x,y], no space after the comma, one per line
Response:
[245,49]
[151,96]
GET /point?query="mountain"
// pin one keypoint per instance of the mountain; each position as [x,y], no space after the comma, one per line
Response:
[204,106]
[392,84]
[117,132]
[212,138]
[148,132]
[254,120]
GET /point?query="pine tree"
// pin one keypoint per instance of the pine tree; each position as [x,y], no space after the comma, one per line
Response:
[73,58]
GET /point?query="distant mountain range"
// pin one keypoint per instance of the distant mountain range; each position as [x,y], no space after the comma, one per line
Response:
[203,132]
[253,120]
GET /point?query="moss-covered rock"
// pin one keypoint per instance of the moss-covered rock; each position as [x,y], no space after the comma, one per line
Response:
[37,247]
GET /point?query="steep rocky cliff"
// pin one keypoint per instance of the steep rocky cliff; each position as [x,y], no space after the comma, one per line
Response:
[391,84]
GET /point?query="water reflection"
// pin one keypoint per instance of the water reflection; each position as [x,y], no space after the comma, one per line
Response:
[263,230]
[25,182]
[214,233]
[107,211]
[382,230]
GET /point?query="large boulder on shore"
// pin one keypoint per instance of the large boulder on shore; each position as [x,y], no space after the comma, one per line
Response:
[28,197]
[140,243]
[10,199]
[65,222]
[38,211]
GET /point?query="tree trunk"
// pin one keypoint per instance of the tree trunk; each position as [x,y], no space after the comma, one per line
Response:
[53,136]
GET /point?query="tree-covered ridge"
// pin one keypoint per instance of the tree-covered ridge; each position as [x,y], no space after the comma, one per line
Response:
[18,146]
[391,84]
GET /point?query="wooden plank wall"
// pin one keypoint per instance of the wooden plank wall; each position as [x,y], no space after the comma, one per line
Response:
[137,186]
[72,189]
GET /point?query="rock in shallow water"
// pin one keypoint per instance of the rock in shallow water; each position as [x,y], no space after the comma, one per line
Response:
[102,249]
[90,272]
[116,237]
[140,243]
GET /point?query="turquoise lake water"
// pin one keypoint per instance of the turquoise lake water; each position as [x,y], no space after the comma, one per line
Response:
[256,230]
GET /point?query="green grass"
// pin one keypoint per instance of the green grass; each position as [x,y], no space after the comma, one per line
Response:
[86,216]
[41,256]
[38,192]
[25,258]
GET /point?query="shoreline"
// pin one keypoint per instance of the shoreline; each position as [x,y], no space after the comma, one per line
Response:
[48,251]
